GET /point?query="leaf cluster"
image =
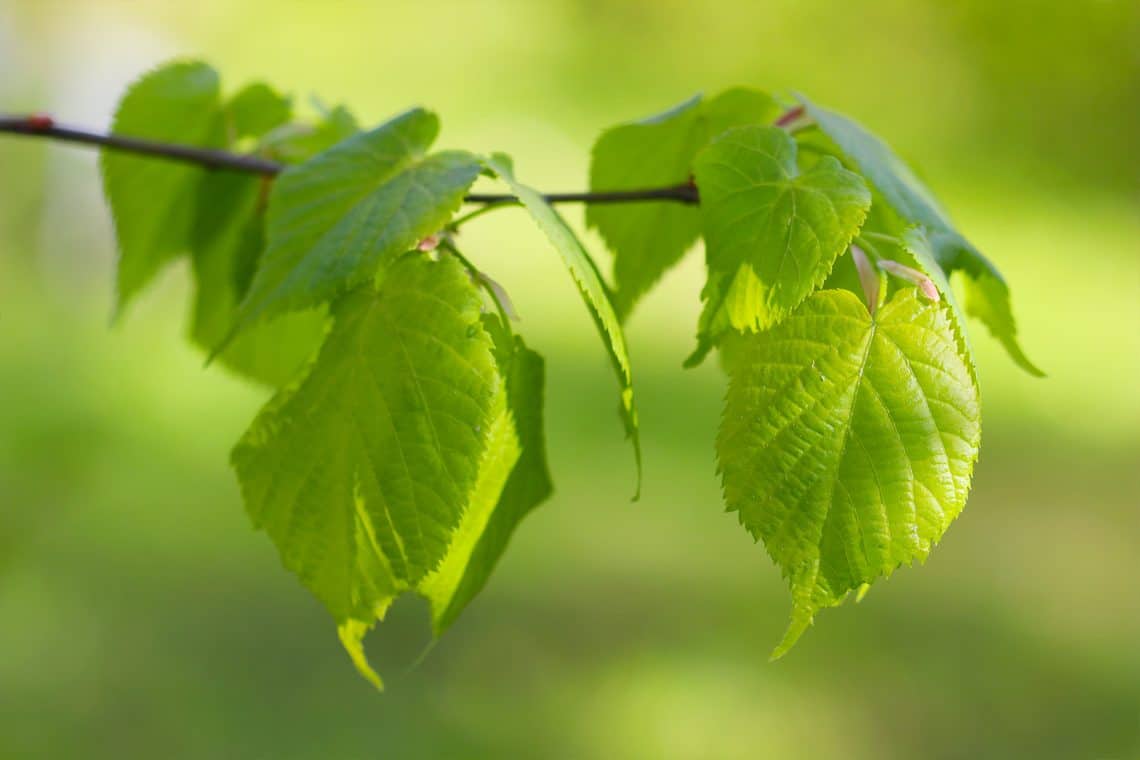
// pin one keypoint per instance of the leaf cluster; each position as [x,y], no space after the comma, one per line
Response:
[404,441]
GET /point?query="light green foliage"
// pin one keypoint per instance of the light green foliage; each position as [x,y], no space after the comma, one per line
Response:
[337,219]
[908,196]
[648,239]
[405,441]
[391,451]
[294,143]
[590,285]
[489,523]
[772,234]
[226,242]
[255,111]
[152,202]
[848,442]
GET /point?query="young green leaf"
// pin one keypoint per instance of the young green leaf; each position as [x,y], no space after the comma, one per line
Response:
[593,290]
[362,473]
[772,234]
[900,187]
[337,219]
[152,202]
[648,239]
[848,442]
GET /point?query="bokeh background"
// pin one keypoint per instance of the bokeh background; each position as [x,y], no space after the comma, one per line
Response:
[140,616]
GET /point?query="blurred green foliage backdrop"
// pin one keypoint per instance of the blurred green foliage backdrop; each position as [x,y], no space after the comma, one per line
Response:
[140,615]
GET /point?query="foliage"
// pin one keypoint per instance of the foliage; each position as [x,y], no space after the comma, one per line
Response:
[404,442]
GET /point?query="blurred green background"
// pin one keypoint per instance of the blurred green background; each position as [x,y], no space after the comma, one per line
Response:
[141,616]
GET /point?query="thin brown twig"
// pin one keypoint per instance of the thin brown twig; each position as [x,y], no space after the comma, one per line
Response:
[42,126]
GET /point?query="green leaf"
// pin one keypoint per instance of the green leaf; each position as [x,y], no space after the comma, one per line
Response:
[226,242]
[361,474]
[152,201]
[227,239]
[772,234]
[650,238]
[848,442]
[337,219]
[593,290]
[988,293]
[489,524]
[295,143]
[256,110]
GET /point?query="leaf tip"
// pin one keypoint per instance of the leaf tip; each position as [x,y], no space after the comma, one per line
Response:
[800,622]
[351,634]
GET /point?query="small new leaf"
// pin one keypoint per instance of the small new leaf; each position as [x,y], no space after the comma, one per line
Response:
[772,234]
[988,293]
[593,290]
[649,239]
[337,219]
[848,442]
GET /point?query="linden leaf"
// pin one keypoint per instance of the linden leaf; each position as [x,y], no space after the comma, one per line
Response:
[493,515]
[228,239]
[152,202]
[650,238]
[772,233]
[593,291]
[337,219]
[361,473]
[848,442]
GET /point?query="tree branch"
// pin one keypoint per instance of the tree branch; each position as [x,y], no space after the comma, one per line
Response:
[45,127]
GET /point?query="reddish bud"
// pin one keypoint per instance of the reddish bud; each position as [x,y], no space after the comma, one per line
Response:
[925,285]
[40,121]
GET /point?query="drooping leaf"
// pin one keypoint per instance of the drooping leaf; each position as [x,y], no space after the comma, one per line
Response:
[152,201]
[988,293]
[362,473]
[648,239]
[772,234]
[593,290]
[337,219]
[848,442]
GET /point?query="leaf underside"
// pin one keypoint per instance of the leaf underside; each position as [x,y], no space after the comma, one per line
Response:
[593,290]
